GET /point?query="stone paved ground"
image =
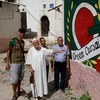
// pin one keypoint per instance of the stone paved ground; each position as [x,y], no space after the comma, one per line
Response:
[5,87]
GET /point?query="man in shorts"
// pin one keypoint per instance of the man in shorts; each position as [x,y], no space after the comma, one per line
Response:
[15,62]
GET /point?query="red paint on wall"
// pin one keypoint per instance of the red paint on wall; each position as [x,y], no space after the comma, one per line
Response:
[97,66]
[84,20]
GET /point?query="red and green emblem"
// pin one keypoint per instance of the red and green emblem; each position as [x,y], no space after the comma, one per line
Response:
[82,31]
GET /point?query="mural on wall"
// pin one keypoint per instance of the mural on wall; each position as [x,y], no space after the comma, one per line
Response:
[82,31]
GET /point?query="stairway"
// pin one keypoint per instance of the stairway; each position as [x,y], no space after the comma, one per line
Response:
[30,34]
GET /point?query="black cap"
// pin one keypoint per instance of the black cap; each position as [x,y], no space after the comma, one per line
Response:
[22,30]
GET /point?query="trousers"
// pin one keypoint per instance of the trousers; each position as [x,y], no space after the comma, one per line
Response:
[60,69]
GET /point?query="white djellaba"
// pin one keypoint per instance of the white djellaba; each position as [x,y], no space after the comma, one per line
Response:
[36,58]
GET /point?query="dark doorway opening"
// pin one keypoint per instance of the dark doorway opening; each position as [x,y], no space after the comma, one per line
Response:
[44,26]
[0,3]
[24,20]
[11,0]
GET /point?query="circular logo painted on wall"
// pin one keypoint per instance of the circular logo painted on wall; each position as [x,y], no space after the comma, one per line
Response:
[82,20]
[82,31]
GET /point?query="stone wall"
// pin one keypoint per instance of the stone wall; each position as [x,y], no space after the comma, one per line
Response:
[4,44]
[85,79]
[9,23]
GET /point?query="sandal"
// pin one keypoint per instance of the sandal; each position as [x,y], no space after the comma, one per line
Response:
[14,97]
[18,94]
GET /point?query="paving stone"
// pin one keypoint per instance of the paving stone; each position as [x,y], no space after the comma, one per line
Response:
[6,90]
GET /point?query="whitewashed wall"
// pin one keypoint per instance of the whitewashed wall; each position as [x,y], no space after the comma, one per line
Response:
[35,7]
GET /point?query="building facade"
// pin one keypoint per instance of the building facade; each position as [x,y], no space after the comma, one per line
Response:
[9,23]
[82,34]
[44,17]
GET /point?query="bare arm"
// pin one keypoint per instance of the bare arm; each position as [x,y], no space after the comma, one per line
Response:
[32,73]
[8,59]
[52,64]
[30,68]
[68,62]
[68,68]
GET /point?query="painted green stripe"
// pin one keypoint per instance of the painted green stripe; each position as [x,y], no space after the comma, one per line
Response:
[94,30]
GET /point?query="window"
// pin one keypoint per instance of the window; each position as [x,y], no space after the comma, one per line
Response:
[52,5]
[23,9]
[44,26]
[44,6]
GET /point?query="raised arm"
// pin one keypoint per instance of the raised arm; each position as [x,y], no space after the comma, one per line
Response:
[50,51]
[58,51]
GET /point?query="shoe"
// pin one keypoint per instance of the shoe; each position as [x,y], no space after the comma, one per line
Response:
[14,97]
[39,97]
[63,90]
[36,98]
[55,90]
[18,94]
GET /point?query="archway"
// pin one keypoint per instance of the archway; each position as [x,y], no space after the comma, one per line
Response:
[44,26]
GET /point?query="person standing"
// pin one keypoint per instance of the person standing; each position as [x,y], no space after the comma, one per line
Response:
[61,62]
[43,44]
[15,62]
[37,66]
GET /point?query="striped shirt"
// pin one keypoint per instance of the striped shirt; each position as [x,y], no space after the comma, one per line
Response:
[16,54]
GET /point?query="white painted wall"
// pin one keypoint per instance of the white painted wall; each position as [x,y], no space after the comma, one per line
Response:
[35,7]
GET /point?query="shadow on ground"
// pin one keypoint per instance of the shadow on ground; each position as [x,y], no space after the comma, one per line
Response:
[50,89]
[29,95]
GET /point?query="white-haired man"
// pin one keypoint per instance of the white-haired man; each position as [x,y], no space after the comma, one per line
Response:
[37,65]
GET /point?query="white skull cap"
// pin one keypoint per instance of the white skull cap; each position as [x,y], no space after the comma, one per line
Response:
[34,39]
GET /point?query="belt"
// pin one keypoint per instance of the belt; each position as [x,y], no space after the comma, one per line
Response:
[60,62]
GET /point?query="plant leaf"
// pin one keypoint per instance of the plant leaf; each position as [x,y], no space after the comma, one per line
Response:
[98,58]
[98,16]
[69,13]
[90,65]
[72,4]
[68,34]
[99,4]
[68,39]
[96,6]
[93,61]
[67,27]
[68,20]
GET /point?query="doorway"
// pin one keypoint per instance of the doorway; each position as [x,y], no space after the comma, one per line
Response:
[44,26]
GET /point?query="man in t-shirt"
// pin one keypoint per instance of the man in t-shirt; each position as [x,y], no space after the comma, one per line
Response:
[15,62]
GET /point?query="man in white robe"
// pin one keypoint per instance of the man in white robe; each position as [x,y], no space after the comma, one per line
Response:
[37,65]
